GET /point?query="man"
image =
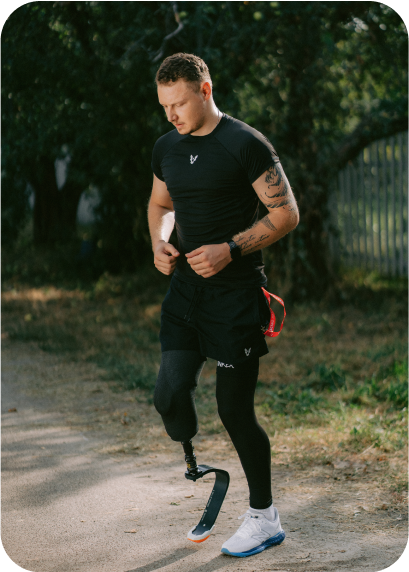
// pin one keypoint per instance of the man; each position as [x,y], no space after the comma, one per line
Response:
[209,174]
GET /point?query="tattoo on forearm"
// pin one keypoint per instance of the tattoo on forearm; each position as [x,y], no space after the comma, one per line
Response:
[251,245]
[242,238]
[282,197]
[261,238]
[245,243]
[267,222]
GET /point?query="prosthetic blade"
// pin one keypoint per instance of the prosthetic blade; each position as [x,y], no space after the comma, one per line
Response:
[206,524]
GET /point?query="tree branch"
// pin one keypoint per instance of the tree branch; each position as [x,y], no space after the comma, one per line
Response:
[371,127]
[161,50]
[132,48]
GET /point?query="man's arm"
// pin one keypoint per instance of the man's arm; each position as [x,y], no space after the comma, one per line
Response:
[274,191]
[161,219]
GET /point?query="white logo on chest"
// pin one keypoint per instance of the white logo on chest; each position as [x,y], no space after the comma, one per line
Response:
[247,352]
[193,159]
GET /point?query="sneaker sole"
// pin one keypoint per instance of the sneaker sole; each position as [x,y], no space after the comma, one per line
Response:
[272,541]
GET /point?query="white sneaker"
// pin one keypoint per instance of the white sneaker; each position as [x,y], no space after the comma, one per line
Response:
[254,535]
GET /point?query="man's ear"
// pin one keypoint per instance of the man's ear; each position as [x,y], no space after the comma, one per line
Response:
[206,90]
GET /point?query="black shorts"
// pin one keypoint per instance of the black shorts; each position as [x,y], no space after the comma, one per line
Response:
[222,323]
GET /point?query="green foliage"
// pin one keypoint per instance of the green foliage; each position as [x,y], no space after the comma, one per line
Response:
[14,208]
[389,385]
[79,84]
[329,378]
[60,266]
[53,339]
[363,437]
[293,400]
[128,375]
[320,79]
[307,396]
[388,433]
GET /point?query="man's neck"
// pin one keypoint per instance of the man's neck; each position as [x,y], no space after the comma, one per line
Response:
[211,122]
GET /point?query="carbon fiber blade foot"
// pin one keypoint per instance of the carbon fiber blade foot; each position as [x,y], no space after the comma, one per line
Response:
[205,526]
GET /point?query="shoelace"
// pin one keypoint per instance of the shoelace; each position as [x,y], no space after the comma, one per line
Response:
[249,525]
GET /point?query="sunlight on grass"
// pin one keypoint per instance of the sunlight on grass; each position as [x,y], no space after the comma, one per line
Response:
[332,392]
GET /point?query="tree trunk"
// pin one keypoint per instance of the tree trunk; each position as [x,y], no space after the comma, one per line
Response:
[308,275]
[55,211]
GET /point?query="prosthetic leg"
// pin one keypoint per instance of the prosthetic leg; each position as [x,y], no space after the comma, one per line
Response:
[202,531]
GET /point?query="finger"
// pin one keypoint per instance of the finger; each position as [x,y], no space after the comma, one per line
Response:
[171,249]
[165,271]
[164,267]
[198,259]
[205,273]
[159,264]
[202,269]
[165,258]
[195,252]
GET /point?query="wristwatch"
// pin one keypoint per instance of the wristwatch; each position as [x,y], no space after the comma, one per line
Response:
[235,251]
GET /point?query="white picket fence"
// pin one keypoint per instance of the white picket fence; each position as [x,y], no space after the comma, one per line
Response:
[369,209]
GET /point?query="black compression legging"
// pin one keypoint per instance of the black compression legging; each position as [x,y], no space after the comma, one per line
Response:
[235,386]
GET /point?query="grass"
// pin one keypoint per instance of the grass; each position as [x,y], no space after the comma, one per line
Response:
[333,388]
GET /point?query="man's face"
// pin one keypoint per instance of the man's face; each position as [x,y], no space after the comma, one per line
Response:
[184,107]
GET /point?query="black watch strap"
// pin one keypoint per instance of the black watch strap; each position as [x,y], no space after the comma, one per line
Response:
[235,251]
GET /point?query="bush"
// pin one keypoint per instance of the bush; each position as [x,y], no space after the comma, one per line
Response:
[388,385]
[126,375]
[293,400]
[14,208]
[329,378]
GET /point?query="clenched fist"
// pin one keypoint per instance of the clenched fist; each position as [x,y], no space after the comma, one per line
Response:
[208,260]
[165,257]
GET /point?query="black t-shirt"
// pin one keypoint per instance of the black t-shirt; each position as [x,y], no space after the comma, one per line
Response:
[209,179]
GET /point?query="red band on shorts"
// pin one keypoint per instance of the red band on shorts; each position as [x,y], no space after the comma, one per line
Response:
[270,330]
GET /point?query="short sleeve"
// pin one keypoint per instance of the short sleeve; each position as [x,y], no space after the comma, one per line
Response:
[156,162]
[257,154]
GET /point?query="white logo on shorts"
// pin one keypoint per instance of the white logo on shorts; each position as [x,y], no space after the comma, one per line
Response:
[193,159]
[247,352]
[221,364]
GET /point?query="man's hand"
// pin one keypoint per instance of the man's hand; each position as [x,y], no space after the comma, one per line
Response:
[208,260]
[165,257]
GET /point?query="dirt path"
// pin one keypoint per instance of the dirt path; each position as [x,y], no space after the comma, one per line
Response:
[77,496]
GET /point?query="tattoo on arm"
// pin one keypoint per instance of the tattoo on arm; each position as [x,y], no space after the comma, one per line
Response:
[251,245]
[281,193]
[245,243]
[278,205]
[274,177]
[240,239]
[267,222]
[282,197]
